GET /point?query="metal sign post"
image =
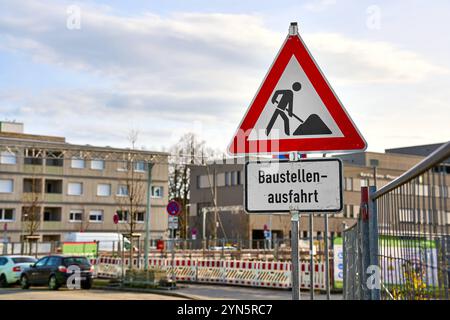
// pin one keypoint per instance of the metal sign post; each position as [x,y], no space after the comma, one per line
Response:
[294,256]
[5,238]
[311,256]
[147,215]
[327,258]
[173,209]
[173,256]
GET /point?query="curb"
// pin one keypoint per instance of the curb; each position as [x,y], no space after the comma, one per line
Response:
[161,292]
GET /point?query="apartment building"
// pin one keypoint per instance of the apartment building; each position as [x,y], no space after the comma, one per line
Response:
[49,187]
[360,169]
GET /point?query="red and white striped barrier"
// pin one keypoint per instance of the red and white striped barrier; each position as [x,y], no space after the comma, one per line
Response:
[233,272]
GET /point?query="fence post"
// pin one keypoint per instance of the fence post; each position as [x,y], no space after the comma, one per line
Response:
[365,243]
[346,261]
[373,242]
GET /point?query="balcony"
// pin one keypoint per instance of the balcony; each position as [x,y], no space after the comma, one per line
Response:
[53,197]
[52,214]
[51,226]
[33,168]
[53,190]
[54,170]
[32,186]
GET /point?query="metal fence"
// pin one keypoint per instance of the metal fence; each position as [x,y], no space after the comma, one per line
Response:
[352,287]
[403,230]
[413,227]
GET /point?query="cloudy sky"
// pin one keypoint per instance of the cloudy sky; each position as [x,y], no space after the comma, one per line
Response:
[94,70]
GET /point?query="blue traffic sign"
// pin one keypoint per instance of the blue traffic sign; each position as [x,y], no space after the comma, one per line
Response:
[173,208]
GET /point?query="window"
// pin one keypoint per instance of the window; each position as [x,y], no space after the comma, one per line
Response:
[6,185]
[363,182]
[233,178]
[52,214]
[7,157]
[77,163]
[53,186]
[23,260]
[347,210]
[76,215]
[78,261]
[3,261]
[157,192]
[139,166]
[238,176]
[53,261]
[32,157]
[123,216]
[103,189]
[6,214]
[374,162]
[122,166]
[96,216]
[349,184]
[54,159]
[350,212]
[75,188]
[203,181]
[356,211]
[32,185]
[41,262]
[97,164]
[227,178]
[122,190]
[140,216]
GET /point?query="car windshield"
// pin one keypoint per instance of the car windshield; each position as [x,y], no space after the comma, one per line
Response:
[81,261]
[23,260]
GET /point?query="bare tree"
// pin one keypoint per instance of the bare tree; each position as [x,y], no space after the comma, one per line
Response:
[31,211]
[131,196]
[189,150]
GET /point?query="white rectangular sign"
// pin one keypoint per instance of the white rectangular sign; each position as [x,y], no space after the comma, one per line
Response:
[173,222]
[309,185]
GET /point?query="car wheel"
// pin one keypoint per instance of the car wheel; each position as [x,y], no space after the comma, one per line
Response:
[24,283]
[3,281]
[53,283]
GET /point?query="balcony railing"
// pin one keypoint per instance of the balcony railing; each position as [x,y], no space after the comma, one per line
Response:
[53,197]
[51,225]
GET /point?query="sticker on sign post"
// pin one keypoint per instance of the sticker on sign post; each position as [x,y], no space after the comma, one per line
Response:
[309,185]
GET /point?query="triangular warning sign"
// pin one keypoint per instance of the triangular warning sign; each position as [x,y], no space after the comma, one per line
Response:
[295,109]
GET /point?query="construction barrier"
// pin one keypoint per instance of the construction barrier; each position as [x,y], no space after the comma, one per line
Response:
[232,272]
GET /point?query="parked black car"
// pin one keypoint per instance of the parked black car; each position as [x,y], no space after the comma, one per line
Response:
[55,270]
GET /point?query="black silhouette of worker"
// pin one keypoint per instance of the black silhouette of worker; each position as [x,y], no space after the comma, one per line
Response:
[286,103]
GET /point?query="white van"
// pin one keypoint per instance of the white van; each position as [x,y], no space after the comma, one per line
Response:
[107,240]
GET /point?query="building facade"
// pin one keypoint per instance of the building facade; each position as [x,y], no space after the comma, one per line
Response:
[49,187]
[359,170]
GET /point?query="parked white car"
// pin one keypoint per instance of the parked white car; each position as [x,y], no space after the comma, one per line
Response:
[11,268]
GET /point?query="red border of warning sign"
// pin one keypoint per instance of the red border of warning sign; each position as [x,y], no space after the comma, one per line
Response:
[351,140]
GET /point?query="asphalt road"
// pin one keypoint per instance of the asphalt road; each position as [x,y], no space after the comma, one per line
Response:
[208,292]
[190,291]
[15,293]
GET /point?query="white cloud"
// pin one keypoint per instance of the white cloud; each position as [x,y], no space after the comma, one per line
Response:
[364,62]
[171,72]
